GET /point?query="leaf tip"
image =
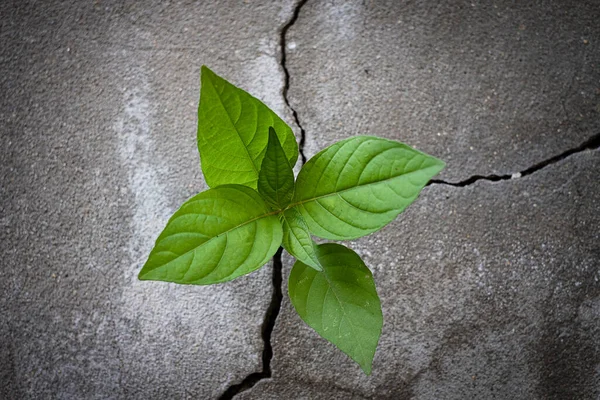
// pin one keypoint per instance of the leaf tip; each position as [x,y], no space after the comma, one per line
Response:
[206,74]
[312,264]
[274,139]
[437,166]
[441,163]
[366,369]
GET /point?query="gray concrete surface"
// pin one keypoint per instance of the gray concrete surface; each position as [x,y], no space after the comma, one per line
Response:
[490,87]
[488,291]
[491,290]
[98,125]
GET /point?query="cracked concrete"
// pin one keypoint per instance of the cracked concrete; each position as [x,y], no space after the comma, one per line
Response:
[592,144]
[481,85]
[98,124]
[286,87]
[489,285]
[277,295]
[489,290]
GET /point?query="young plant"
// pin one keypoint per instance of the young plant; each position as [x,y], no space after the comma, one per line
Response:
[348,190]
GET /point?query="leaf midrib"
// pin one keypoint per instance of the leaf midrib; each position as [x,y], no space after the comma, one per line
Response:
[220,234]
[233,124]
[348,189]
[296,236]
[333,290]
[279,153]
[275,212]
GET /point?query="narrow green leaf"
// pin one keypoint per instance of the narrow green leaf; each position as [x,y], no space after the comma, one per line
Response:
[359,185]
[276,177]
[233,131]
[214,237]
[297,240]
[340,303]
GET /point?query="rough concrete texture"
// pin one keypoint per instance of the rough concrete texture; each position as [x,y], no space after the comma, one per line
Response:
[98,125]
[490,290]
[490,87]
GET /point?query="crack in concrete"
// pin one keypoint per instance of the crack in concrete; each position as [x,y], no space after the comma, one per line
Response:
[592,143]
[286,87]
[266,332]
[277,278]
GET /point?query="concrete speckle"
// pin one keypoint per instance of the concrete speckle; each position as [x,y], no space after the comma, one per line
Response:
[497,299]
[263,77]
[143,165]
[460,82]
[98,138]
[490,290]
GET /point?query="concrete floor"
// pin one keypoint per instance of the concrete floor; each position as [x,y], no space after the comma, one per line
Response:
[490,282]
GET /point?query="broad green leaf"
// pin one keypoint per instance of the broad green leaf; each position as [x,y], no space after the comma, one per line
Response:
[297,240]
[340,303]
[233,131]
[359,185]
[214,237]
[276,178]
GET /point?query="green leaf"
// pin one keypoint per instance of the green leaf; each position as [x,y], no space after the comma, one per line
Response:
[276,177]
[233,131]
[340,303]
[297,240]
[359,185]
[214,237]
